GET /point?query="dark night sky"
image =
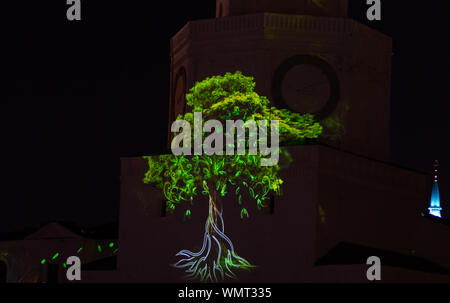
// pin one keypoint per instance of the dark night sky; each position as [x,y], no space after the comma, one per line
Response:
[77,96]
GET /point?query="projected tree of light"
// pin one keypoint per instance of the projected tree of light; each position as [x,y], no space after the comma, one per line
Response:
[181,178]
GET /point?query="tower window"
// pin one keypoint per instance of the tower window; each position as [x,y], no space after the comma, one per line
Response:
[220,10]
[272,205]
[163,207]
[52,273]
[179,98]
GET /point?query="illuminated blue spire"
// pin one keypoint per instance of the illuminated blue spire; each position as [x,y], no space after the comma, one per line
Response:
[435,202]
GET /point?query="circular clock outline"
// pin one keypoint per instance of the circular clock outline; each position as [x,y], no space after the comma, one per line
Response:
[325,67]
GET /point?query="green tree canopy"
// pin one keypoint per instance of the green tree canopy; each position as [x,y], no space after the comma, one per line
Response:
[228,97]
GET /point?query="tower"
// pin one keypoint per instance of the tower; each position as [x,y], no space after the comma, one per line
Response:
[435,202]
[305,55]
[308,56]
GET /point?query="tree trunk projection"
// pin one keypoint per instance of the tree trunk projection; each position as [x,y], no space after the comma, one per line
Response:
[217,258]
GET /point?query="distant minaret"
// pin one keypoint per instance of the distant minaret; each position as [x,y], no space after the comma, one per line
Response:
[435,203]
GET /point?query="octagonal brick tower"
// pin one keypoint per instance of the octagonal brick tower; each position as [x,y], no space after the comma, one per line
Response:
[304,55]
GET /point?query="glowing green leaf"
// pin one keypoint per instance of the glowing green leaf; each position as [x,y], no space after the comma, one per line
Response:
[223,192]
[252,193]
[244,213]
[187,214]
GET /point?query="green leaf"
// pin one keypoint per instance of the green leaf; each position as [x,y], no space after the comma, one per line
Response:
[223,192]
[251,191]
[244,213]
[187,214]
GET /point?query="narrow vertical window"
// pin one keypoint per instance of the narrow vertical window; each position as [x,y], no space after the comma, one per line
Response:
[163,207]
[220,10]
[272,205]
[52,273]
[3,272]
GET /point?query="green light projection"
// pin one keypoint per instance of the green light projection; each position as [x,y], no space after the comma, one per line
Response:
[318,3]
[98,246]
[181,178]
[334,126]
